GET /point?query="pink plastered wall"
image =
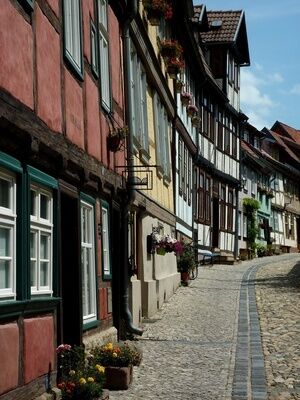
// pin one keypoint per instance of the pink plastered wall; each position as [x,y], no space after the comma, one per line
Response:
[48,72]
[9,350]
[74,110]
[16,66]
[92,118]
[39,347]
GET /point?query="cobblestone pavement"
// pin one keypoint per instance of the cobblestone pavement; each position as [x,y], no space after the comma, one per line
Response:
[278,300]
[189,345]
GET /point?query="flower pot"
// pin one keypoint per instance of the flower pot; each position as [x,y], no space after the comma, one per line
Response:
[172,71]
[185,100]
[118,378]
[196,121]
[168,52]
[185,276]
[113,143]
[179,85]
[154,16]
[161,251]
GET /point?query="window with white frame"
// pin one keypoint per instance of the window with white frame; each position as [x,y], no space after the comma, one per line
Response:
[105,242]
[41,240]
[72,33]
[89,303]
[245,226]
[138,87]
[104,54]
[162,129]
[7,235]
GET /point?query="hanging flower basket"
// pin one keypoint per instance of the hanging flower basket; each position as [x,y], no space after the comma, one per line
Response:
[116,138]
[174,66]
[192,110]
[196,121]
[179,85]
[157,9]
[161,251]
[170,48]
[186,98]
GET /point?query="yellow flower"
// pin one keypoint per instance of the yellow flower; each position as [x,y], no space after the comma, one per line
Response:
[82,381]
[90,379]
[109,346]
[114,355]
[100,369]
[72,372]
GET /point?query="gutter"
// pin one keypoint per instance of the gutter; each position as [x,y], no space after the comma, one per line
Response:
[130,193]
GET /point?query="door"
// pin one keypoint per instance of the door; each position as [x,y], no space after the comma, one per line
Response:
[71,310]
[215,220]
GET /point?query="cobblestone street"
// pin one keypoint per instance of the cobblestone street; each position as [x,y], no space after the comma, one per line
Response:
[200,345]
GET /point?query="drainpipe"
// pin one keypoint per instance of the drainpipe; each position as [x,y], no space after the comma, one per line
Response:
[130,195]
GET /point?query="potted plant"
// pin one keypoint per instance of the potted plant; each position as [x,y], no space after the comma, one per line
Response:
[192,110]
[158,9]
[186,98]
[174,66]
[196,121]
[186,261]
[116,138]
[118,360]
[179,85]
[80,378]
[170,48]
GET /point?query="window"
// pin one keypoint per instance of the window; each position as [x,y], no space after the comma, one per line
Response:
[138,87]
[7,235]
[220,130]
[88,262]
[239,223]
[207,199]
[180,166]
[41,240]
[94,50]
[234,140]
[223,207]
[245,226]
[227,135]
[104,54]
[73,34]
[230,211]
[105,243]
[162,128]
[201,197]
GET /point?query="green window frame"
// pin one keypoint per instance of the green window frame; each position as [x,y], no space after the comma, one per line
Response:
[88,260]
[72,26]
[106,245]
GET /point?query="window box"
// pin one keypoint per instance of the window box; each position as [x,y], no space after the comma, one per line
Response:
[170,48]
[174,66]
[156,10]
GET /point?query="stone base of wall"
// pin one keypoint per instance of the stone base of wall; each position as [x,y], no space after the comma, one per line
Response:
[108,335]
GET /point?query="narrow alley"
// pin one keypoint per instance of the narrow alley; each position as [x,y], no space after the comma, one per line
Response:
[206,342]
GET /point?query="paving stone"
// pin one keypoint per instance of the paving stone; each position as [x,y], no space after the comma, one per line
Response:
[189,350]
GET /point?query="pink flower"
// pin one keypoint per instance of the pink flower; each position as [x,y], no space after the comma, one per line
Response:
[62,348]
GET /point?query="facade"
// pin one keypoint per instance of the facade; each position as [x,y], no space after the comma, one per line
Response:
[61,194]
[281,145]
[223,38]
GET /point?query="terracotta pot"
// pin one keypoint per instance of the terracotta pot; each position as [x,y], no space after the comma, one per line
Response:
[185,276]
[118,378]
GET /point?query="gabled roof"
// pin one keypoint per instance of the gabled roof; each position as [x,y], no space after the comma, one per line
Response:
[284,129]
[228,27]
[200,17]
[256,156]
[278,138]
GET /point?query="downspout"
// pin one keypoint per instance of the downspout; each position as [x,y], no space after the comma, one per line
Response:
[130,194]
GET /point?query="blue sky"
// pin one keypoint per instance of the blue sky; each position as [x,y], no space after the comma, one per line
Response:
[270,87]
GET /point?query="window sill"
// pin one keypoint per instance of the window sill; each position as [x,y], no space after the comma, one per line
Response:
[16,308]
[90,325]
[144,156]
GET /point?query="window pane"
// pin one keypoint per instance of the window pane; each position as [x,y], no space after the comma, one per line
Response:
[44,274]
[4,242]
[44,207]
[44,247]
[4,274]
[32,202]
[4,193]
[33,273]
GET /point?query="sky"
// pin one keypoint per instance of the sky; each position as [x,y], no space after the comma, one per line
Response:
[270,87]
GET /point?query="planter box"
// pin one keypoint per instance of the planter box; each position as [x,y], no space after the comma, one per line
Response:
[118,378]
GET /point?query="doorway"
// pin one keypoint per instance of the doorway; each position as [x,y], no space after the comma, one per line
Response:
[71,309]
[215,223]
